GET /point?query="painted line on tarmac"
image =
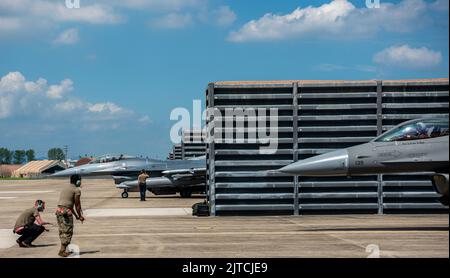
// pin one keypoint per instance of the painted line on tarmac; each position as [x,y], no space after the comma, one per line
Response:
[7,238]
[239,233]
[7,198]
[25,192]
[138,212]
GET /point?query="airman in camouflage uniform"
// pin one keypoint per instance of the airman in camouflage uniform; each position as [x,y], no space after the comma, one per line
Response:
[69,198]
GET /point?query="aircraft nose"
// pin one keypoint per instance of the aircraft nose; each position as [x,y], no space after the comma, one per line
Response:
[64,173]
[329,164]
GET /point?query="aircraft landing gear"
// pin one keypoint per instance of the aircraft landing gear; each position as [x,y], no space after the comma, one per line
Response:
[124,194]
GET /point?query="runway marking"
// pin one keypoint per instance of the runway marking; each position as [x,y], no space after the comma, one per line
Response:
[246,233]
[7,238]
[25,192]
[357,244]
[138,212]
[7,198]
[334,234]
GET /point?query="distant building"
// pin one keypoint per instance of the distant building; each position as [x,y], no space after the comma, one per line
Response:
[6,171]
[171,156]
[39,169]
[83,161]
[193,143]
[176,153]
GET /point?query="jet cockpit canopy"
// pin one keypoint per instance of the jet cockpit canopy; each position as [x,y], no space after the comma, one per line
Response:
[110,158]
[417,130]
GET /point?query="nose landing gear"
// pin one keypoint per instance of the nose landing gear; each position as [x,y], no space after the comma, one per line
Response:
[125,194]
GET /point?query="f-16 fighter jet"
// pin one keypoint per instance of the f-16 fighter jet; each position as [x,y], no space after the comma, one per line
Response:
[166,177]
[419,145]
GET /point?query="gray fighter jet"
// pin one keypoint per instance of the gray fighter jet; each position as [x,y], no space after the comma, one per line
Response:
[419,145]
[166,177]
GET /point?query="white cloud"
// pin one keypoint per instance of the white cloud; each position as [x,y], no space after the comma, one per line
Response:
[9,24]
[69,36]
[224,16]
[405,56]
[93,14]
[107,107]
[14,89]
[29,15]
[338,19]
[58,91]
[12,82]
[35,87]
[70,105]
[26,17]
[173,21]
[58,12]
[328,17]
[38,101]
[145,119]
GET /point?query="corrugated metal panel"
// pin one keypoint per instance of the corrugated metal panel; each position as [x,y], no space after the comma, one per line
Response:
[354,121]
[401,103]
[325,116]
[241,181]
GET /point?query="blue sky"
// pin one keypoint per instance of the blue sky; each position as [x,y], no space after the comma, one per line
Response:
[104,78]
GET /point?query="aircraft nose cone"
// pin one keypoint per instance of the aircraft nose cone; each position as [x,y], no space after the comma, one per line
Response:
[64,173]
[329,164]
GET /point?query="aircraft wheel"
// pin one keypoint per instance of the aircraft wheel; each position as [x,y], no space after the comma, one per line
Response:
[186,194]
[125,195]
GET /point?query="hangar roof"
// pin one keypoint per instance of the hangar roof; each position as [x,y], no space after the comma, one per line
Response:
[37,167]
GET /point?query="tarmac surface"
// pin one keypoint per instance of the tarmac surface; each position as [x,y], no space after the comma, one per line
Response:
[163,227]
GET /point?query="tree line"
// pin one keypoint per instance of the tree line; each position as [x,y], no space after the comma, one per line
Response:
[22,156]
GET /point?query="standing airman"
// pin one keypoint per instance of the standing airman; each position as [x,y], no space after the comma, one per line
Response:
[70,197]
[142,179]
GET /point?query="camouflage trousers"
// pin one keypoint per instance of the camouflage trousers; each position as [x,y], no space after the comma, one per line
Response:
[65,224]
